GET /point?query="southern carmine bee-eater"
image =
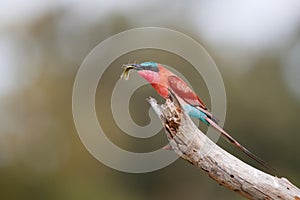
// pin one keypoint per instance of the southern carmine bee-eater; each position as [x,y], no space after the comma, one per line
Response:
[162,80]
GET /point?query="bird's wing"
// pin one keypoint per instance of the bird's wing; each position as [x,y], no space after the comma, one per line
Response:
[185,92]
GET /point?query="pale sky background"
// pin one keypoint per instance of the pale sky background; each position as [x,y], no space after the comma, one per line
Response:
[248,27]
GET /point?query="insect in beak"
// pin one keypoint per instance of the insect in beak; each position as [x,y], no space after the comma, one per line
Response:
[127,68]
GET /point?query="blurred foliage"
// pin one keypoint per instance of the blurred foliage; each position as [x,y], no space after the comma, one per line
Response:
[42,157]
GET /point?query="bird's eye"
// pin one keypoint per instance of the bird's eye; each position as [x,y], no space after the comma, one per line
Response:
[148,67]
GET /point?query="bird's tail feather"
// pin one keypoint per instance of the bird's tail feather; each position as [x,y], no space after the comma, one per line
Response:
[209,115]
[238,145]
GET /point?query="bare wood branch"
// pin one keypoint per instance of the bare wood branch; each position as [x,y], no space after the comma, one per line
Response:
[192,145]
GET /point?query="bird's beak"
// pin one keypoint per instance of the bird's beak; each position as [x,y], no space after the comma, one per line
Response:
[127,68]
[132,66]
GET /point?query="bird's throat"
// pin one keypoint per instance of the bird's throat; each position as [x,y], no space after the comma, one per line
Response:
[150,76]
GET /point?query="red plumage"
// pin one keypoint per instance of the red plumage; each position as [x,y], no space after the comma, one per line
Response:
[165,79]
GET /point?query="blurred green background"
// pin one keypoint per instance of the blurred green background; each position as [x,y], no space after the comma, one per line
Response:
[256,46]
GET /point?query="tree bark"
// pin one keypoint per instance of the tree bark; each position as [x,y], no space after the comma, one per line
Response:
[192,145]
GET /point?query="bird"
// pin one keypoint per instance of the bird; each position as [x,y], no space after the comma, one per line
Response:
[163,80]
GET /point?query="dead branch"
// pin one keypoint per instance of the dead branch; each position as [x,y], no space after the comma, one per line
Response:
[195,147]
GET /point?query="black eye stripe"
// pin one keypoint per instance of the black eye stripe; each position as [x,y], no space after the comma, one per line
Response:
[149,67]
